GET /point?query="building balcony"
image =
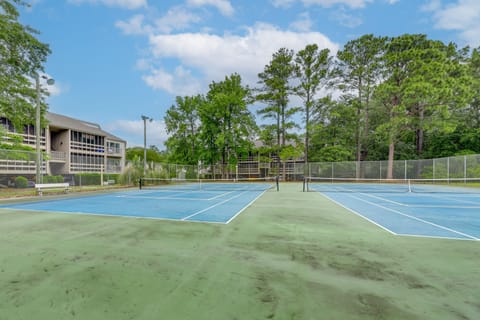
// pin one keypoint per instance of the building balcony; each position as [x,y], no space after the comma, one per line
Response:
[57,156]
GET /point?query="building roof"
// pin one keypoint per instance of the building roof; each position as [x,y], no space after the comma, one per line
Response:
[64,122]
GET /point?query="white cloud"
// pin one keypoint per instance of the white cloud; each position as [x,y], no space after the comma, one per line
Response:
[282,3]
[432,5]
[216,56]
[177,18]
[181,82]
[134,26]
[303,24]
[127,4]
[143,64]
[133,131]
[462,16]
[223,6]
[329,3]
[345,19]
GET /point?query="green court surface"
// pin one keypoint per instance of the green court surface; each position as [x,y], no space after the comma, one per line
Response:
[290,255]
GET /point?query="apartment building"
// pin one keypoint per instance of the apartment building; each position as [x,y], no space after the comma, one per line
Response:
[71,146]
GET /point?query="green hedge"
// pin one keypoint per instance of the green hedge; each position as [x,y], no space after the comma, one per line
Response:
[21,182]
[87,179]
[52,179]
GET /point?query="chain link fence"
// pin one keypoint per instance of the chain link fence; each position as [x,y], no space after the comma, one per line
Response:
[15,163]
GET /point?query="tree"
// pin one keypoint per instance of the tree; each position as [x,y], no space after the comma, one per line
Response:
[473,109]
[182,122]
[423,82]
[21,57]
[275,90]
[153,154]
[358,73]
[332,130]
[312,67]
[227,126]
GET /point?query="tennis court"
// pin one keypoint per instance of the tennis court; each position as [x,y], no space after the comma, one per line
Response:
[200,201]
[413,208]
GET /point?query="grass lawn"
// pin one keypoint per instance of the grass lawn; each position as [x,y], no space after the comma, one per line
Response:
[290,255]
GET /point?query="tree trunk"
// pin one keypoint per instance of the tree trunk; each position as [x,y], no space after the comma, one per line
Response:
[391,154]
[420,133]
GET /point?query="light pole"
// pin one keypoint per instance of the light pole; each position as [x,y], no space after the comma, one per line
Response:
[145,118]
[50,81]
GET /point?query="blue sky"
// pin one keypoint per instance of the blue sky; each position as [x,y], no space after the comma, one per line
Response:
[115,60]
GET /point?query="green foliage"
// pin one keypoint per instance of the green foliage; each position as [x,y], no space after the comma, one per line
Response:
[334,154]
[312,69]
[53,179]
[402,97]
[275,91]
[21,182]
[357,72]
[22,56]
[87,179]
[182,122]
[227,126]
[9,152]
[153,154]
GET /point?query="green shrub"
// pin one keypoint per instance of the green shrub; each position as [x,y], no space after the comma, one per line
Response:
[87,179]
[21,182]
[52,179]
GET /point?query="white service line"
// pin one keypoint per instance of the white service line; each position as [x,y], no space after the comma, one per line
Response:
[415,218]
[213,206]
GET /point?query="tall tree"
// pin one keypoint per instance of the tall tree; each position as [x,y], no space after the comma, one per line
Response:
[312,68]
[182,122]
[357,74]
[275,91]
[473,110]
[423,81]
[332,130]
[22,56]
[228,127]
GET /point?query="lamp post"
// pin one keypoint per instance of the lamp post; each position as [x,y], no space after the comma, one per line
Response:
[38,177]
[145,118]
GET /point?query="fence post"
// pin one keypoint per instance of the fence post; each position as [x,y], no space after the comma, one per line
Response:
[433,169]
[448,169]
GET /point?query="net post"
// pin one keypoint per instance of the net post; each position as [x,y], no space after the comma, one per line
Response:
[277,183]
[409,186]
[140,182]
[304,183]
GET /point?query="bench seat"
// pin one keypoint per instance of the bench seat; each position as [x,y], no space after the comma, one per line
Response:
[59,185]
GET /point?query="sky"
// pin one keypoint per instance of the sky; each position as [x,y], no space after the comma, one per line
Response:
[116,60]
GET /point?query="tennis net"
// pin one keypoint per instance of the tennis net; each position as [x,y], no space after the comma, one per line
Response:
[250,184]
[452,185]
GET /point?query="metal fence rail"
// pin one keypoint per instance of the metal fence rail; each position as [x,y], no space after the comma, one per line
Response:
[468,166]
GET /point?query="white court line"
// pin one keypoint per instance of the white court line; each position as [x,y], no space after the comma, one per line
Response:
[112,215]
[248,205]
[359,214]
[176,198]
[213,206]
[418,219]
[164,198]
[457,200]
[425,206]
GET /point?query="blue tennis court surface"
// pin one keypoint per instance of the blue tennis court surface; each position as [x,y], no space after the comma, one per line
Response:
[442,215]
[217,206]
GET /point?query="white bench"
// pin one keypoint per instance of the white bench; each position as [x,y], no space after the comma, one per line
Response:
[60,185]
